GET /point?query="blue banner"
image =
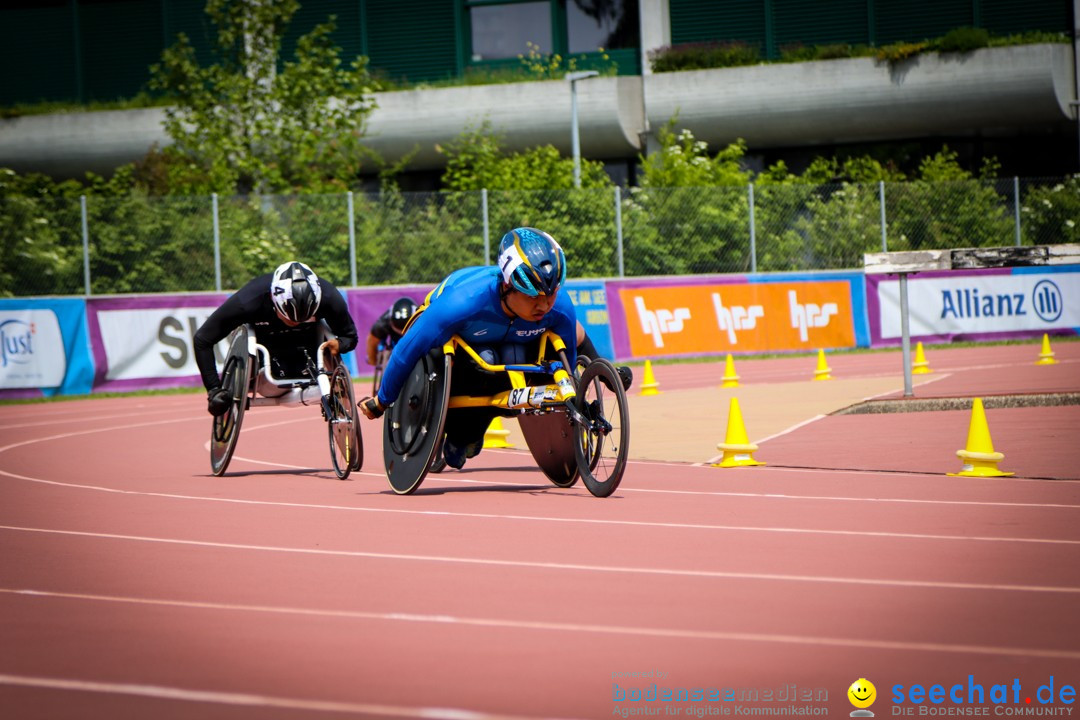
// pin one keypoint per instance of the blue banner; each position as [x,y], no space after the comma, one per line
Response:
[44,348]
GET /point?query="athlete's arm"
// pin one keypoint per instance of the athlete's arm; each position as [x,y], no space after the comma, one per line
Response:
[335,310]
[433,327]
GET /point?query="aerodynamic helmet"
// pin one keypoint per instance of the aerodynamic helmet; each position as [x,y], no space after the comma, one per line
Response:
[400,312]
[532,262]
[296,292]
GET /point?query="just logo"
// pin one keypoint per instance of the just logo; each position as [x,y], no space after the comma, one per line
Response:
[660,322]
[736,317]
[808,315]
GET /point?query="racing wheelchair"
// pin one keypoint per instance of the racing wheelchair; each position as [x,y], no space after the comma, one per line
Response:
[576,426]
[247,376]
[381,359]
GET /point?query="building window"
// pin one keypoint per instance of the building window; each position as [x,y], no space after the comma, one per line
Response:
[501,30]
[505,31]
[607,24]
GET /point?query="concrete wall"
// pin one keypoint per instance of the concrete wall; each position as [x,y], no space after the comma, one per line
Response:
[990,91]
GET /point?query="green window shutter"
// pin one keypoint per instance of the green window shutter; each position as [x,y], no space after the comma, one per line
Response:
[915,20]
[38,39]
[314,12]
[189,17]
[413,39]
[120,40]
[820,22]
[707,20]
[1008,17]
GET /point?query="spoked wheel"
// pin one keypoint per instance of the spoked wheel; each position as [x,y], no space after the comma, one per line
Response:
[346,446]
[235,378]
[414,425]
[380,366]
[603,444]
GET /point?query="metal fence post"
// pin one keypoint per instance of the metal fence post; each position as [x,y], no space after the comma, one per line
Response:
[753,231]
[85,244]
[881,201]
[618,229]
[484,212]
[217,244]
[352,242]
[1016,207]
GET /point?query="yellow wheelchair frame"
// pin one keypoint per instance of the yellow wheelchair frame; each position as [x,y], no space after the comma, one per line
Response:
[565,422]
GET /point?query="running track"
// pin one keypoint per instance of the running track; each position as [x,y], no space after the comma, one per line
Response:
[135,585]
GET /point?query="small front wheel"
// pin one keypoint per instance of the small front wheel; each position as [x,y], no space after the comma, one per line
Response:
[602,436]
[346,446]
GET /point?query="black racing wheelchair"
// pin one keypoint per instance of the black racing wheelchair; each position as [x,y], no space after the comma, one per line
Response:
[576,426]
[247,376]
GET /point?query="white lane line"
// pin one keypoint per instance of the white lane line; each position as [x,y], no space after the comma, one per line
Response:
[536,565]
[575,628]
[248,699]
[556,519]
[776,496]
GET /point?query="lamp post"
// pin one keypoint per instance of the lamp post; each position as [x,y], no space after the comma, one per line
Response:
[575,142]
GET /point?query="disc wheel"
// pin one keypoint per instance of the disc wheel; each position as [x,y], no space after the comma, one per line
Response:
[346,446]
[414,425]
[604,441]
[235,378]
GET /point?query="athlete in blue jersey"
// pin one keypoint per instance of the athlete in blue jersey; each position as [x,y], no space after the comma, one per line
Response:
[501,311]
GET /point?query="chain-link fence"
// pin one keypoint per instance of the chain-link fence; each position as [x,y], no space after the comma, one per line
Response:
[139,244]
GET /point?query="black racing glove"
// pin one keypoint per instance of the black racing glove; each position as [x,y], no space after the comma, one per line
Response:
[218,401]
[372,408]
[626,375]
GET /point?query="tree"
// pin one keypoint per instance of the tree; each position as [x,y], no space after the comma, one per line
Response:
[248,124]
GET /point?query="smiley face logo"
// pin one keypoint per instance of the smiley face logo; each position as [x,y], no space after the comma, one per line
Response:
[862,693]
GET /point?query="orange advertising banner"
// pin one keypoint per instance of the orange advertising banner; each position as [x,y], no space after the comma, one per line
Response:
[750,317]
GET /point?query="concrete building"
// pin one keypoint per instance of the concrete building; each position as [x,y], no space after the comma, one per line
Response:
[1017,103]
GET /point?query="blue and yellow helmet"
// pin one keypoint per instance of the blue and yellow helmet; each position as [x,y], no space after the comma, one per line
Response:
[532,262]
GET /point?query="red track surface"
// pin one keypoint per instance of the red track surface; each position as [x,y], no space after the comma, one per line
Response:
[135,585]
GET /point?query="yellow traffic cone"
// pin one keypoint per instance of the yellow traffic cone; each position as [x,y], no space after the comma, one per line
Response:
[979,457]
[823,370]
[920,366]
[1046,357]
[737,448]
[649,386]
[496,435]
[730,379]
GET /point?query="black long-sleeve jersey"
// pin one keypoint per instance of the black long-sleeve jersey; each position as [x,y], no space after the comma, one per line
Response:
[252,304]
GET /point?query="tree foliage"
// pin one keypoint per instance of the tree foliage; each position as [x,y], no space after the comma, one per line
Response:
[250,122]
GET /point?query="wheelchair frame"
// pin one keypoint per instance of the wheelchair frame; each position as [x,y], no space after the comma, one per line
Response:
[576,406]
[245,379]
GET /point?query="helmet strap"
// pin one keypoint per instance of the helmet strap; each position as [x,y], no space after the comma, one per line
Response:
[504,291]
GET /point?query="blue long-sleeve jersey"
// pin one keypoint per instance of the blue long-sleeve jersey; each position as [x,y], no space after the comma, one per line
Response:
[467,303]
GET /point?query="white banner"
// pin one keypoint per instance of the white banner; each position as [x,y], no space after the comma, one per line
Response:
[971,304]
[151,342]
[31,349]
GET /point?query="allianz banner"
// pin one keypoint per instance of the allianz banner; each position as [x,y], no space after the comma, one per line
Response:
[737,314]
[43,348]
[976,304]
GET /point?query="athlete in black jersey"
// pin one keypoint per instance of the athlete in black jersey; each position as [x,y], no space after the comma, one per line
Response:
[284,307]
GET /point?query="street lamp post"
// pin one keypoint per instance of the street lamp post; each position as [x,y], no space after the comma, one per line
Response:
[575,142]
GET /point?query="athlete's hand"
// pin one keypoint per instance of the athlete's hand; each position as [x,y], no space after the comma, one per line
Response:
[372,408]
[218,401]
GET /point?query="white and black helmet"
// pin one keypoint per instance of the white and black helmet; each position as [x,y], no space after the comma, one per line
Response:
[296,292]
